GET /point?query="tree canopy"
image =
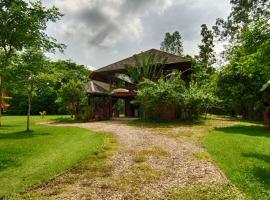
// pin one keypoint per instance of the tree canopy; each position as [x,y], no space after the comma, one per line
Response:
[22,26]
[172,43]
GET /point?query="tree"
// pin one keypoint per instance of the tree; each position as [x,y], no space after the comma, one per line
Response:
[72,78]
[242,13]
[172,43]
[240,81]
[22,26]
[70,70]
[44,98]
[32,72]
[206,55]
[72,94]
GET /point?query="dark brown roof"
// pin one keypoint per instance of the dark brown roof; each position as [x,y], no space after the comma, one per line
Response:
[120,65]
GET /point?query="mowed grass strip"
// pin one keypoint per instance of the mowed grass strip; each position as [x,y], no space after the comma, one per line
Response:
[28,158]
[243,152]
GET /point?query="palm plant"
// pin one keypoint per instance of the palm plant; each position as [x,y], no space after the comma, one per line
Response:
[150,67]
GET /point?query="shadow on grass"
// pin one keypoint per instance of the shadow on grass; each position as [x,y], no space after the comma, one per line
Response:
[7,126]
[6,163]
[9,157]
[252,130]
[263,157]
[164,123]
[262,174]
[21,135]
[67,120]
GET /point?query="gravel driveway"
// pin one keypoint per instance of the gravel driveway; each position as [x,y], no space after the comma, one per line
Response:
[148,165]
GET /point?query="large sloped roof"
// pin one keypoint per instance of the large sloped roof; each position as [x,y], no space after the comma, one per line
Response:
[120,65]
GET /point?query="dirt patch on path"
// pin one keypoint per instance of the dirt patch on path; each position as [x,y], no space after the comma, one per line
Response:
[147,166]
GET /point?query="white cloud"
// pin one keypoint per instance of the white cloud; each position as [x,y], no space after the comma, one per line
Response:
[103,23]
[99,32]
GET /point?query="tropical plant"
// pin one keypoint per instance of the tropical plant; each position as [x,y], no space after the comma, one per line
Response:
[150,67]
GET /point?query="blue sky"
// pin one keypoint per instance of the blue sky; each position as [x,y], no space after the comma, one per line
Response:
[98,32]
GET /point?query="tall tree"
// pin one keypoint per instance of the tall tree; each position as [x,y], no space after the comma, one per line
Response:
[240,81]
[22,26]
[207,54]
[242,13]
[172,43]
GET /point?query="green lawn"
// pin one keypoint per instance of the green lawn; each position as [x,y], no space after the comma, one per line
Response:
[243,152]
[30,158]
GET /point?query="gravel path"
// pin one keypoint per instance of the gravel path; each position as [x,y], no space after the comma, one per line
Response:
[148,164]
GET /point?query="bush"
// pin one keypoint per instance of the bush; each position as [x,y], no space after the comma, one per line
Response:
[155,97]
[166,98]
[198,99]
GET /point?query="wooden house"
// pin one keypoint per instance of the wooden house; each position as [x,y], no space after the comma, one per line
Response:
[105,89]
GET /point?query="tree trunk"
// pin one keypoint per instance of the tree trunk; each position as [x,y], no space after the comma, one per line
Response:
[1,99]
[29,107]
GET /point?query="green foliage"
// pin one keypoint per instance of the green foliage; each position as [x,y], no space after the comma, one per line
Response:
[172,93]
[172,43]
[239,82]
[206,57]
[153,96]
[30,74]
[198,99]
[149,67]
[45,95]
[243,12]
[22,26]
[72,94]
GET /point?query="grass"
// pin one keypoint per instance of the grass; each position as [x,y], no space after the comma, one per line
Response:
[243,152]
[93,168]
[240,148]
[139,159]
[206,191]
[29,158]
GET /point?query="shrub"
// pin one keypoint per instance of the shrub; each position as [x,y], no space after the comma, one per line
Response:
[158,100]
[155,97]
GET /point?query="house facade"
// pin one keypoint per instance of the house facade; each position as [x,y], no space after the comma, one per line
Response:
[106,88]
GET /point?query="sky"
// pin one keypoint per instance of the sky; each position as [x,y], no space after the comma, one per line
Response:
[100,32]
